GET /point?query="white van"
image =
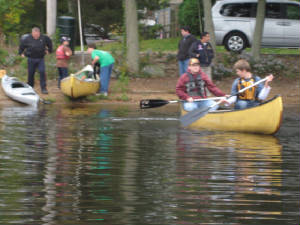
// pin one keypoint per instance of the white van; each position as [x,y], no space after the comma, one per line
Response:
[234,22]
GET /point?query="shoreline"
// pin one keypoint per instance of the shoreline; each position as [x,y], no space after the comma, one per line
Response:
[157,88]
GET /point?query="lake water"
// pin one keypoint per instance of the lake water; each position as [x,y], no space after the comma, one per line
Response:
[118,165]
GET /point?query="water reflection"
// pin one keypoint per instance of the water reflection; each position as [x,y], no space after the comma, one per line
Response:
[229,175]
[99,165]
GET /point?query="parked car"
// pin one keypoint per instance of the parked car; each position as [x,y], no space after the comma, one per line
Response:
[234,22]
[94,32]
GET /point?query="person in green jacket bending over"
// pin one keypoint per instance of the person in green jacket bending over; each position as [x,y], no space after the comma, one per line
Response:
[106,62]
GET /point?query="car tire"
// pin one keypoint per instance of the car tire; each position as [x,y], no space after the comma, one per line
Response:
[235,42]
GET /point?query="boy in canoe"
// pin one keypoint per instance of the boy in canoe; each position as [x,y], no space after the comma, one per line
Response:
[63,53]
[193,84]
[252,96]
[106,62]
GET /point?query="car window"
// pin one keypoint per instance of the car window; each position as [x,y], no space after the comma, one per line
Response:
[292,12]
[273,11]
[236,10]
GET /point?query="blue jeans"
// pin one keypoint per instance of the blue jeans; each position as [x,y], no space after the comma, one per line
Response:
[63,73]
[190,106]
[105,77]
[183,65]
[243,104]
[33,64]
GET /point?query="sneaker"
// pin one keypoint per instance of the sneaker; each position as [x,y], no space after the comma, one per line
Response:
[44,91]
[102,94]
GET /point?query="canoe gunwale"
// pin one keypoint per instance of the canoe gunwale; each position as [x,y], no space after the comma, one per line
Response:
[237,110]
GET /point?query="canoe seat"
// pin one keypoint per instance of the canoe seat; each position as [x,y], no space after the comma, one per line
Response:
[18,85]
[29,93]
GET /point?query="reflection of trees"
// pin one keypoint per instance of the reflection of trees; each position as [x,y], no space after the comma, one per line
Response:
[228,177]
[154,174]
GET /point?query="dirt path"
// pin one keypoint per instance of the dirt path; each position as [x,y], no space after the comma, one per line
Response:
[162,88]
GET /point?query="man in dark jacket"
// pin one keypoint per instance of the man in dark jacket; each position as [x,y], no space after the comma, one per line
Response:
[183,49]
[35,46]
[203,51]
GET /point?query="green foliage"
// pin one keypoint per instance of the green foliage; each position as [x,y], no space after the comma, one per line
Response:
[150,32]
[11,15]
[3,55]
[189,15]
[102,12]
[152,4]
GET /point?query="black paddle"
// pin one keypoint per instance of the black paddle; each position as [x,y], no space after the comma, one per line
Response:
[96,70]
[153,103]
[196,114]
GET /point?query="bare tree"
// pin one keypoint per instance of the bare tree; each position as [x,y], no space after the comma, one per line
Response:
[208,22]
[51,17]
[132,40]
[259,27]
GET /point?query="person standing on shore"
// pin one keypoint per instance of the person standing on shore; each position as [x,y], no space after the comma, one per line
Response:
[106,62]
[35,46]
[203,51]
[183,49]
[63,53]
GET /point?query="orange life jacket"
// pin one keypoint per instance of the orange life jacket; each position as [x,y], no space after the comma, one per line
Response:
[60,54]
[249,94]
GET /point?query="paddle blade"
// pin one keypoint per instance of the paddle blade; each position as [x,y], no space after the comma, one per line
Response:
[152,103]
[193,116]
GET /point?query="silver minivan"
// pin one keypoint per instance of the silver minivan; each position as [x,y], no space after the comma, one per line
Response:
[234,22]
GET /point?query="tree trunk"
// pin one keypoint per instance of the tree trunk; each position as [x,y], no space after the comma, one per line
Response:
[259,27]
[208,22]
[200,17]
[132,40]
[51,17]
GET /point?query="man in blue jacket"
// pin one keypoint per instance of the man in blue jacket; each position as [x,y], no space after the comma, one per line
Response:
[203,51]
[35,46]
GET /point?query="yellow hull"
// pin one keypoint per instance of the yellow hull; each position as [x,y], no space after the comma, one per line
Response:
[74,87]
[263,119]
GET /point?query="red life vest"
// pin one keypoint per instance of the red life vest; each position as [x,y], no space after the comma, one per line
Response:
[60,54]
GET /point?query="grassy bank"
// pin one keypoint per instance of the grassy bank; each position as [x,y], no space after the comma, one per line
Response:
[160,53]
[171,44]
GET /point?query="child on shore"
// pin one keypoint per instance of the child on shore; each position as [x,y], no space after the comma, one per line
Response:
[252,96]
[63,53]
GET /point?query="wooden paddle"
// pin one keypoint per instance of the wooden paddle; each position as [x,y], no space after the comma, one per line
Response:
[196,114]
[153,103]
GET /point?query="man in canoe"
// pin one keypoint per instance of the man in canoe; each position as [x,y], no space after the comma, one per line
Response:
[193,84]
[35,46]
[106,62]
[63,53]
[252,96]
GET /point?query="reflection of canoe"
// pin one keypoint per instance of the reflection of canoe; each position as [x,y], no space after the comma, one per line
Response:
[19,91]
[80,84]
[263,119]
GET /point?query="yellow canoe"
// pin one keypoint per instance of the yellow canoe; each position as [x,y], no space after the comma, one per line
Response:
[80,84]
[263,119]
